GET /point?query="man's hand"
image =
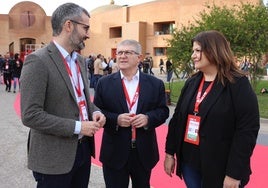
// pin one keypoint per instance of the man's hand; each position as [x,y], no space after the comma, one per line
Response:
[123,120]
[89,128]
[99,118]
[139,120]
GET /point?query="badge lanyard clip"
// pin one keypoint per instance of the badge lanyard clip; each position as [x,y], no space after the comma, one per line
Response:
[193,121]
[130,105]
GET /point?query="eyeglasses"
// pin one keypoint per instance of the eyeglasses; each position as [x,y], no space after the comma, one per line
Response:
[86,27]
[127,53]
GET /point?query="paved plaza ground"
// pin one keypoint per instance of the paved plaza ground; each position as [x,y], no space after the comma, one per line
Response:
[13,139]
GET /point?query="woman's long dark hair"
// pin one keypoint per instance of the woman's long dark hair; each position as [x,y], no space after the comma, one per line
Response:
[217,49]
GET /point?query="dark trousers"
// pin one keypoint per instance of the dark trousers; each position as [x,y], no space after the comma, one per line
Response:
[151,71]
[162,70]
[78,177]
[95,80]
[169,75]
[7,80]
[193,177]
[119,178]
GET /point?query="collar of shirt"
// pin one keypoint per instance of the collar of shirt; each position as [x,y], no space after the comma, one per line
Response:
[71,62]
[131,87]
[135,77]
[65,54]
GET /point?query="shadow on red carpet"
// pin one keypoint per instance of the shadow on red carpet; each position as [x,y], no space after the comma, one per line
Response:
[159,179]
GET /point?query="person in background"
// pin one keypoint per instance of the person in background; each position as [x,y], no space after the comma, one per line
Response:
[55,104]
[214,128]
[115,67]
[151,65]
[111,65]
[16,72]
[7,71]
[263,90]
[169,70]
[90,65]
[105,66]
[134,104]
[98,70]
[146,65]
[161,65]
[2,61]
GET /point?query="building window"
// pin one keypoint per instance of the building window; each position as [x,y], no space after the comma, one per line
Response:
[160,51]
[115,32]
[164,28]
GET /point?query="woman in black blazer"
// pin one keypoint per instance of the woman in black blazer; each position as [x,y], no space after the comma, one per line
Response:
[214,128]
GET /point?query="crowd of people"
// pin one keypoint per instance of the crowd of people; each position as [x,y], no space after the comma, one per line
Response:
[10,71]
[99,66]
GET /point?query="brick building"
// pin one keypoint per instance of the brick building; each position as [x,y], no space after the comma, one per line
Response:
[27,27]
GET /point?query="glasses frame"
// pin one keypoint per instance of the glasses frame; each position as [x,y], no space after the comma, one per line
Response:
[86,27]
[126,53]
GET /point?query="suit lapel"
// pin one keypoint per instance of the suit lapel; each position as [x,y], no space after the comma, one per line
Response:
[189,92]
[81,63]
[58,61]
[119,91]
[211,98]
[143,86]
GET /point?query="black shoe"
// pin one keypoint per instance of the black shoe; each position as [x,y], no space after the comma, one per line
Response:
[8,90]
[14,91]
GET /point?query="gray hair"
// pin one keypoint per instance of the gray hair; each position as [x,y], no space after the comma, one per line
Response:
[130,42]
[67,11]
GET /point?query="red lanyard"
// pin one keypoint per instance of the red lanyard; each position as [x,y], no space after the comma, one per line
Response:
[131,104]
[77,87]
[200,98]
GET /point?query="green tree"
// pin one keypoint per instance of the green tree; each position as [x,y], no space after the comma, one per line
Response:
[180,50]
[244,25]
[253,41]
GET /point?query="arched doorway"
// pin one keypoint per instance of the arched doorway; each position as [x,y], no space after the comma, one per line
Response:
[27,45]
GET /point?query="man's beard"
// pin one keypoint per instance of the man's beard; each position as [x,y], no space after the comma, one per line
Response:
[81,46]
[77,46]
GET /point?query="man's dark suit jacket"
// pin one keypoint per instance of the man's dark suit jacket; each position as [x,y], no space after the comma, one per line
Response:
[116,141]
[228,129]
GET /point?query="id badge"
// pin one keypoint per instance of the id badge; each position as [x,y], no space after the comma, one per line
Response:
[83,110]
[192,129]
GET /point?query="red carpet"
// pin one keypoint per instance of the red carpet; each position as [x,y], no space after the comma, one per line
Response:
[160,180]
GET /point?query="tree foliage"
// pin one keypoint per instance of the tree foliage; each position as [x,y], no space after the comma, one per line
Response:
[245,26]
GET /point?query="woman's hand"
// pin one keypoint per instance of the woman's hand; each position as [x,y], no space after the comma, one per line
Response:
[169,164]
[230,182]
